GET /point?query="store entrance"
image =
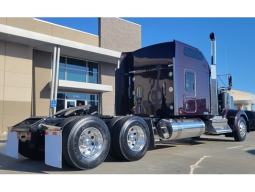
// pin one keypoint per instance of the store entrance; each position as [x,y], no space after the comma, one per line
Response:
[69,99]
[69,103]
[79,103]
[73,103]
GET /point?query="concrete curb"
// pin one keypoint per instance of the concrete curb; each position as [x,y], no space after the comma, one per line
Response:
[3,138]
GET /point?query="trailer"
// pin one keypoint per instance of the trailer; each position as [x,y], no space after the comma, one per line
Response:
[163,92]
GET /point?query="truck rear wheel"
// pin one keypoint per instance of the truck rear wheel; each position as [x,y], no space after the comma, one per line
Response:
[240,133]
[86,142]
[63,124]
[131,138]
[110,125]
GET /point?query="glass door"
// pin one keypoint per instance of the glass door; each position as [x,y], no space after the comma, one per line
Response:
[80,102]
[70,103]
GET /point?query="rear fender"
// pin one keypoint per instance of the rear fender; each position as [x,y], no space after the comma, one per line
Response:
[233,117]
[12,144]
[53,146]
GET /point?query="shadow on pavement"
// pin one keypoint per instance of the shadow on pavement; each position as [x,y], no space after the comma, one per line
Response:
[24,165]
[251,152]
[189,141]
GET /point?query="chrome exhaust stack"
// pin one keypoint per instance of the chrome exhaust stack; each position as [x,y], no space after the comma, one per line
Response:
[170,129]
[214,87]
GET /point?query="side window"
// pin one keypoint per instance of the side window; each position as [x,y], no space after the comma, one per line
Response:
[193,53]
[189,81]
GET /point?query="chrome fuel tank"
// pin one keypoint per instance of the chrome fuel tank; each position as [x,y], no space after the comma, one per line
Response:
[170,129]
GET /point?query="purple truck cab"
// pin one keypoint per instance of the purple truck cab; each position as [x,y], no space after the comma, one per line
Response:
[163,80]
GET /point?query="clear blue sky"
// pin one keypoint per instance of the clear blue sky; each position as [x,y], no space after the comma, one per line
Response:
[235,39]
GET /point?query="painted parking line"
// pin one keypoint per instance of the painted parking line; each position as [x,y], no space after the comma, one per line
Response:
[239,146]
[249,148]
[193,167]
[151,167]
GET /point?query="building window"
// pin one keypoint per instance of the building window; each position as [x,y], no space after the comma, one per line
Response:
[189,81]
[66,100]
[62,68]
[92,72]
[78,70]
[93,101]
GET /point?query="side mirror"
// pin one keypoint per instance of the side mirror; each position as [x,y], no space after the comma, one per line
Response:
[229,82]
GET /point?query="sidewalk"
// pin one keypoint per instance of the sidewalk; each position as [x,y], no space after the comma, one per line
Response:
[3,138]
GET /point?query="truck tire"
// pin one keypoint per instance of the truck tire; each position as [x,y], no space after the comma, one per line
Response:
[131,138]
[63,125]
[67,120]
[110,125]
[30,149]
[240,133]
[86,142]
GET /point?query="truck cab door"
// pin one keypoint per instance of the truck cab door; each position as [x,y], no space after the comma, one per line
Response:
[190,104]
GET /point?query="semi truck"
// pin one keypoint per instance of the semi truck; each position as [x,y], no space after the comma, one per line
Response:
[163,92]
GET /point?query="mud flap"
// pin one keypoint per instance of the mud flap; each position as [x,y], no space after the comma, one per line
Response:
[53,148]
[12,145]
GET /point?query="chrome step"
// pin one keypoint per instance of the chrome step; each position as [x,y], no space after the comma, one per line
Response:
[217,126]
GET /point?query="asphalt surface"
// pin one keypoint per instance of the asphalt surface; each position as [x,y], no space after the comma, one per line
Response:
[208,155]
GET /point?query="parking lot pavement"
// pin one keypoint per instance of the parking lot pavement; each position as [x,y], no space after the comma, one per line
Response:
[2,147]
[208,155]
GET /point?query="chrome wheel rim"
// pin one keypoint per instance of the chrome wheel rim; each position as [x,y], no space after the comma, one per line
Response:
[242,128]
[91,142]
[136,138]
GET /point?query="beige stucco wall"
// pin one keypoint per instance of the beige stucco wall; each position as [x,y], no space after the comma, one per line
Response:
[119,35]
[15,83]
[41,78]
[2,64]
[38,26]
[243,99]
[3,20]
[107,77]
